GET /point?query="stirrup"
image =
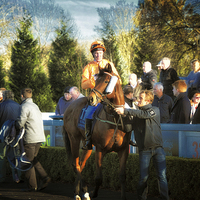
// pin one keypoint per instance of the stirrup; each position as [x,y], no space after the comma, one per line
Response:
[87,146]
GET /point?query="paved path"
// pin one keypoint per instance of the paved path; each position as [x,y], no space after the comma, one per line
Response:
[55,191]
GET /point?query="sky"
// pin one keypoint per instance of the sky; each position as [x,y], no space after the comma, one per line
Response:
[85,14]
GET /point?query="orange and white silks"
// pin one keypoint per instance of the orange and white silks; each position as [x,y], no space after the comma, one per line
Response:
[88,79]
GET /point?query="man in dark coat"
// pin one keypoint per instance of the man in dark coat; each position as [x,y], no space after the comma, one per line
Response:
[133,82]
[168,76]
[180,113]
[149,77]
[9,109]
[163,102]
[64,102]
[147,130]
[128,97]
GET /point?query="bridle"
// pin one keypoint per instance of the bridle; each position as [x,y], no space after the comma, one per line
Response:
[103,97]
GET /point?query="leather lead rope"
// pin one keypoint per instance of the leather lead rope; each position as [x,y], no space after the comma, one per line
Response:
[116,128]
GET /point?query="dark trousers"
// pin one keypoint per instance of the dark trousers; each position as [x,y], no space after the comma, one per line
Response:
[31,153]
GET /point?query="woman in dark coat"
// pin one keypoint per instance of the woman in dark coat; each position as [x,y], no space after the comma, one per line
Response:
[196,117]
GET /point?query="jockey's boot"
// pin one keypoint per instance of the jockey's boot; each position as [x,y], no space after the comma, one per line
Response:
[133,143]
[88,133]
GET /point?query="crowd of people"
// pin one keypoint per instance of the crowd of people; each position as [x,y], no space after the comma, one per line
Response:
[149,102]
[176,97]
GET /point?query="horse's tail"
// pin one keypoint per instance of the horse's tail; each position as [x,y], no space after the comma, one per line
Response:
[67,144]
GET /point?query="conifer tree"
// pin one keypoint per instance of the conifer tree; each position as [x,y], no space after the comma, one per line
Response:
[65,62]
[2,74]
[26,70]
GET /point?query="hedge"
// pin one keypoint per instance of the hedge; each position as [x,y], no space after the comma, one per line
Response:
[183,174]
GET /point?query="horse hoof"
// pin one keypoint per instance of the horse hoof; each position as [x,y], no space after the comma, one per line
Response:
[86,196]
[77,197]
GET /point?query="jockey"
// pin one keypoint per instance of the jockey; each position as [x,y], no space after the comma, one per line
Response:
[88,80]
[88,77]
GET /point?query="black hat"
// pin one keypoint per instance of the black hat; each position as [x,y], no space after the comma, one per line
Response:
[192,93]
[128,89]
[66,90]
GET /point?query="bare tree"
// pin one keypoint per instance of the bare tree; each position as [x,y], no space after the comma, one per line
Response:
[119,17]
[9,20]
[46,16]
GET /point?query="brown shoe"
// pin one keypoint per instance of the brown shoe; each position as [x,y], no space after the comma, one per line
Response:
[133,143]
[29,190]
[44,183]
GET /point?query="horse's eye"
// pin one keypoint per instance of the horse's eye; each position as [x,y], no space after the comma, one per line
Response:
[106,81]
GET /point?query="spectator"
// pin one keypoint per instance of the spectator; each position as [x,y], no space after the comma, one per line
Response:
[180,113]
[133,82]
[190,78]
[146,125]
[196,117]
[31,119]
[64,102]
[149,77]
[163,102]
[9,109]
[128,97]
[159,65]
[195,82]
[1,94]
[194,102]
[168,76]
[75,93]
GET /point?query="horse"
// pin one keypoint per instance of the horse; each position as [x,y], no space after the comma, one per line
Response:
[107,133]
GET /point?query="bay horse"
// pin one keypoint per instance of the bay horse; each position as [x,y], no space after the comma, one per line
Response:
[107,134]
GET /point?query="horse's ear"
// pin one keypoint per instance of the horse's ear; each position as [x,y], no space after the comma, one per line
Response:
[108,68]
[101,72]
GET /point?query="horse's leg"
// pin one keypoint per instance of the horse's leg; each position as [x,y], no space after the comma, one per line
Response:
[76,165]
[98,179]
[84,157]
[123,155]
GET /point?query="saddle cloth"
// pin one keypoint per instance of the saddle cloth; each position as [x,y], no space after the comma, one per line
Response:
[87,113]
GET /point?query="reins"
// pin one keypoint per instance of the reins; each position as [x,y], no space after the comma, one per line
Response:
[106,100]
[103,98]
[110,122]
[113,123]
[97,91]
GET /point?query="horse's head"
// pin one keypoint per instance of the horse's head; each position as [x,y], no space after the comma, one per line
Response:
[108,86]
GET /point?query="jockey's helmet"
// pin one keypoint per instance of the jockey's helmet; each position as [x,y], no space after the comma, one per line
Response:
[97,46]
